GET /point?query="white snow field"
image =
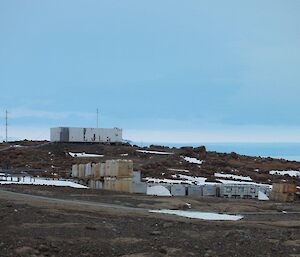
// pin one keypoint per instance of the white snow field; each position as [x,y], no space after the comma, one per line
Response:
[200,215]
[42,181]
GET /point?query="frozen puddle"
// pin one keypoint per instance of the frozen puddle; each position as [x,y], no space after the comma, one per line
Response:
[200,215]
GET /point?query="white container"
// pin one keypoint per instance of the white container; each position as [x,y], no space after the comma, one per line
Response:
[209,190]
[81,173]
[88,170]
[139,188]
[75,171]
[178,190]
[195,191]
[136,176]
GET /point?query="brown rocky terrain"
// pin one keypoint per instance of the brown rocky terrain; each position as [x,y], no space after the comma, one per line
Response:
[52,159]
[40,221]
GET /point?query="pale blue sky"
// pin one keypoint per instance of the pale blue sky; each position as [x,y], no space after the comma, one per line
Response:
[161,70]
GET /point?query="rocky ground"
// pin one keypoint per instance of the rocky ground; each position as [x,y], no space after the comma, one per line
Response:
[52,159]
[72,222]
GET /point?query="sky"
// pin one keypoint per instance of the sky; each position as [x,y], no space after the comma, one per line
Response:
[164,71]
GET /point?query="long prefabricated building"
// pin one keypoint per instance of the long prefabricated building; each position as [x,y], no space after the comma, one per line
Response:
[97,135]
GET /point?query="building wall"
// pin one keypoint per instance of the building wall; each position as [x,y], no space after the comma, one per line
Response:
[55,134]
[85,134]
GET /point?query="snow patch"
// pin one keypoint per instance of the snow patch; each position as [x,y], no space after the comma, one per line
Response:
[232,176]
[42,181]
[86,155]
[179,170]
[154,152]
[193,180]
[192,160]
[291,173]
[200,215]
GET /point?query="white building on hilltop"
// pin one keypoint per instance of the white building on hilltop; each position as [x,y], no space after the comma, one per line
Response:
[91,135]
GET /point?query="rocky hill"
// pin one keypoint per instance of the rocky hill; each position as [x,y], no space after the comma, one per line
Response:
[53,159]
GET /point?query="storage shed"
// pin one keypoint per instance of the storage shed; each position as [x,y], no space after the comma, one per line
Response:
[97,135]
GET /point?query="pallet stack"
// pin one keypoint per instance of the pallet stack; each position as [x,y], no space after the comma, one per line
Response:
[283,192]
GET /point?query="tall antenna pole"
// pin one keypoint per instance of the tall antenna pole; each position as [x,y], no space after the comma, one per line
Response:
[6,117]
[97,117]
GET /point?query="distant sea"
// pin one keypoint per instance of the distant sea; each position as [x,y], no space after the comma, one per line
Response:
[288,151]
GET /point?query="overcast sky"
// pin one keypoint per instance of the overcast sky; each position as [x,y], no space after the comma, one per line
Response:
[168,71]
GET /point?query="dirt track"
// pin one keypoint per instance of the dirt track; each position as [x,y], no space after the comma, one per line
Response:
[101,223]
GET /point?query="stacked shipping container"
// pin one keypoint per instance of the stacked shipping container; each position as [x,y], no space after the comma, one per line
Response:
[114,175]
[283,192]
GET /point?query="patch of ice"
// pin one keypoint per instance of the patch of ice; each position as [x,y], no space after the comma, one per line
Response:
[86,155]
[262,196]
[291,173]
[42,181]
[154,152]
[179,170]
[232,176]
[158,191]
[200,215]
[192,160]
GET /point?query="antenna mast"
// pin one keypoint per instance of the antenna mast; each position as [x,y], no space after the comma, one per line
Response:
[6,117]
[97,117]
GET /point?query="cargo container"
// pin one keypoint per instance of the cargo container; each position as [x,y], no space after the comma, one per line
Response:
[110,183]
[195,191]
[123,185]
[98,184]
[81,172]
[99,135]
[209,190]
[283,192]
[102,169]
[88,170]
[139,187]
[136,176]
[178,190]
[245,191]
[119,168]
[284,188]
[92,184]
[282,197]
[75,171]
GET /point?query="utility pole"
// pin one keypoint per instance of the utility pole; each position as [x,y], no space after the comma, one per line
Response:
[6,117]
[97,117]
